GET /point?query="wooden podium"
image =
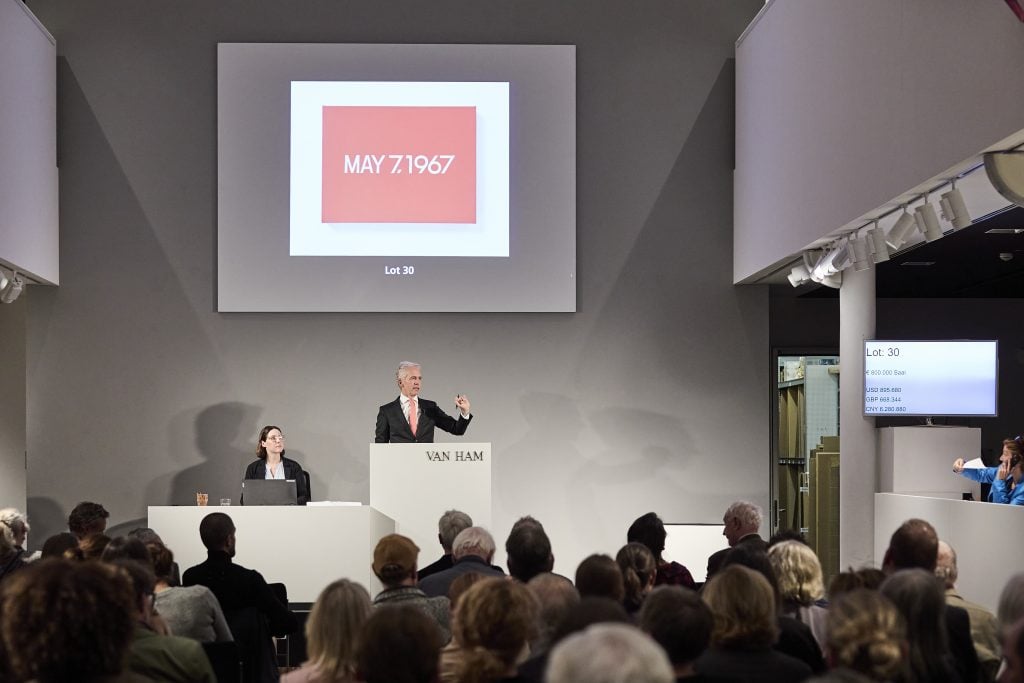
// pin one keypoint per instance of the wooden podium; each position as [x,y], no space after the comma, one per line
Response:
[415,483]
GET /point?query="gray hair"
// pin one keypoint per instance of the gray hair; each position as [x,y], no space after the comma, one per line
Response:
[1011,601]
[12,523]
[473,541]
[750,515]
[609,653]
[451,524]
[404,367]
[945,565]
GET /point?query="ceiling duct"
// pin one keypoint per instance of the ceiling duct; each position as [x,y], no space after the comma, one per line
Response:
[1006,173]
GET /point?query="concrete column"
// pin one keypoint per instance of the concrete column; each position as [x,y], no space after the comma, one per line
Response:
[858,460]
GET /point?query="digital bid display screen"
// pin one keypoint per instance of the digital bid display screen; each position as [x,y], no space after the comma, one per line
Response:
[931,378]
[396,178]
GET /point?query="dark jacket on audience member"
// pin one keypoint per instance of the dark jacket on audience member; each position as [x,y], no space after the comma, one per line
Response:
[238,588]
[438,584]
[762,665]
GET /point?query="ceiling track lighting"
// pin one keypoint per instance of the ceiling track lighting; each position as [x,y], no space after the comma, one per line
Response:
[927,221]
[899,232]
[879,247]
[861,253]
[10,287]
[954,210]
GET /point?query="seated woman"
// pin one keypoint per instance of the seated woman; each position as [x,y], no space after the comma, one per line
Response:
[1006,478]
[497,620]
[742,603]
[801,586]
[332,632]
[271,463]
[192,611]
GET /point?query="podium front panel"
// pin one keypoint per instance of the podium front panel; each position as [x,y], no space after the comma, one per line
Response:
[415,483]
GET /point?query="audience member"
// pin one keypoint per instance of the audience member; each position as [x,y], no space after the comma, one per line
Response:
[742,522]
[650,530]
[451,654]
[398,629]
[528,549]
[331,632]
[250,607]
[62,621]
[556,596]
[449,526]
[58,544]
[15,527]
[497,619]
[639,570]
[147,536]
[1010,609]
[394,563]
[1013,648]
[87,519]
[984,628]
[917,595]
[89,548]
[190,611]
[587,612]
[599,576]
[795,638]
[866,634]
[472,550]
[609,653]
[126,548]
[745,627]
[915,545]
[786,535]
[801,587]
[161,657]
[843,582]
[11,558]
[681,623]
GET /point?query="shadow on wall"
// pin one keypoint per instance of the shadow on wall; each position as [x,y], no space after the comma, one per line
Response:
[222,435]
[46,518]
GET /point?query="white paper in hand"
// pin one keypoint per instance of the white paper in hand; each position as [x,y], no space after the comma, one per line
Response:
[975,464]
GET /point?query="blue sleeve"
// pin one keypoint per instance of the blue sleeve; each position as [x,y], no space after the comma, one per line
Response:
[986,475]
[1001,493]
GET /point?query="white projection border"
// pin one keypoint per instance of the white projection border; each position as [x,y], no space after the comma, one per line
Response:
[487,237]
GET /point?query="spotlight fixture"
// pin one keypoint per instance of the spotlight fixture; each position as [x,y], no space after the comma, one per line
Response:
[861,253]
[953,208]
[835,281]
[927,221]
[10,288]
[899,232]
[879,249]
[798,275]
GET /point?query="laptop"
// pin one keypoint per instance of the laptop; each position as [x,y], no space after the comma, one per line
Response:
[269,492]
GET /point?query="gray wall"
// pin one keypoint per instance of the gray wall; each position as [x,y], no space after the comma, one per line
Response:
[653,396]
[12,404]
[844,106]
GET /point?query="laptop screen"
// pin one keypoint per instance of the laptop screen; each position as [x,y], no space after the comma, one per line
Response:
[269,492]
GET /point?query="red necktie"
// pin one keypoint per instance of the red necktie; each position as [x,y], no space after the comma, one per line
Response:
[412,416]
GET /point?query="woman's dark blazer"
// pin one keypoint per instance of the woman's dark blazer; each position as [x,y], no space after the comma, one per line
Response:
[292,470]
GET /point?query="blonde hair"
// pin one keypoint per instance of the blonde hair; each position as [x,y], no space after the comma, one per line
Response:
[743,604]
[333,629]
[797,572]
[497,618]
[866,633]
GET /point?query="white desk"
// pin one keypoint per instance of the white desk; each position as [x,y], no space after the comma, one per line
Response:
[982,534]
[305,548]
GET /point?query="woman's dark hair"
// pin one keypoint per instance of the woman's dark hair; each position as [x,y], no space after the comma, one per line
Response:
[261,451]
[919,597]
[65,621]
[58,543]
[162,559]
[638,567]
[404,629]
[1016,448]
[126,547]
[649,530]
